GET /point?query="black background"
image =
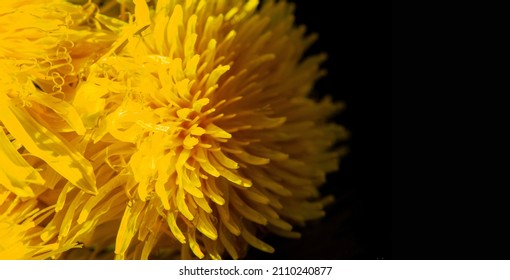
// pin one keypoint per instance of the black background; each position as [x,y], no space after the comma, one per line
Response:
[357,226]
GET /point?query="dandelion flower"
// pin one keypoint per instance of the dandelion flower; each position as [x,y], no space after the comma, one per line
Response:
[201,121]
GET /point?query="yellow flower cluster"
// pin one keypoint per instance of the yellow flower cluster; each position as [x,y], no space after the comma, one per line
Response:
[160,129]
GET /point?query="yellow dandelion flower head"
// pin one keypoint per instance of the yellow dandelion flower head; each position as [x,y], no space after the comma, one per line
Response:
[200,115]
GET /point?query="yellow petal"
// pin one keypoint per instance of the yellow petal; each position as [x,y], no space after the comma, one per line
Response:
[205,226]
[42,143]
[172,223]
[181,204]
[193,244]
[255,242]
[89,103]
[62,108]
[226,239]
[16,174]
[142,13]
[127,228]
